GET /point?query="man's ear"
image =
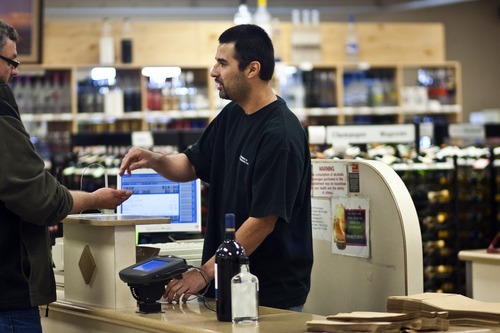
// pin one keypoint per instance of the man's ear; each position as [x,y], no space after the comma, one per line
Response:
[253,69]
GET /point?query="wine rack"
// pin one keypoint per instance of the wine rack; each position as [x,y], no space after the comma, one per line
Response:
[432,193]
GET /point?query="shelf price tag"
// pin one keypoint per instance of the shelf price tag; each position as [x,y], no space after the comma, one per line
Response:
[142,139]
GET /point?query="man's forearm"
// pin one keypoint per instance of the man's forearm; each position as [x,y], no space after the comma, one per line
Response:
[83,201]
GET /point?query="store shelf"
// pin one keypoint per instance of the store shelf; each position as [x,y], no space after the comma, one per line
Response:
[48,117]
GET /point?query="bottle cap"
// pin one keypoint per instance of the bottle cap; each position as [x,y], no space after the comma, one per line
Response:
[244,260]
[229,220]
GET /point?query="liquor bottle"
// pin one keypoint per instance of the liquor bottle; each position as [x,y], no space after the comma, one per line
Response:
[243,15]
[262,17]
[245,294]
[226,266]
[106,44]
[351,41]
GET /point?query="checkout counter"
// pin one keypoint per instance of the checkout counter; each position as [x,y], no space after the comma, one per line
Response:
[192,317]
[96,249]
[482,274]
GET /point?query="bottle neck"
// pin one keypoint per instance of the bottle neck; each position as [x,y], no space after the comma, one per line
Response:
[244,268]
[230,225]
[230,233]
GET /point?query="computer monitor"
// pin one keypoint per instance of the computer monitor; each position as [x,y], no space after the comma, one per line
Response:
[154,195]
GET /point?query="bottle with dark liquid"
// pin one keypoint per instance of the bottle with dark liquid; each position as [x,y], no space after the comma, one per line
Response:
[226,266]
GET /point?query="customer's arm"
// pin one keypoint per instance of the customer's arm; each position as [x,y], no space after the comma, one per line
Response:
[103,198]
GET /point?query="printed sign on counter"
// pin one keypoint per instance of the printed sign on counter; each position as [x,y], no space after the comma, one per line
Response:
[329,178]
[351,227]
[321,217]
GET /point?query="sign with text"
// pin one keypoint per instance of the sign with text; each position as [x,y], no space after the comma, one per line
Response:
[142,139]
[321,218]
[329,178]
[467,131]
[351,226]
[370,133]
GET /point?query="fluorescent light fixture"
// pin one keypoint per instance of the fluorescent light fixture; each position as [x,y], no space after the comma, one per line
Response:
[160,74]
[103,73]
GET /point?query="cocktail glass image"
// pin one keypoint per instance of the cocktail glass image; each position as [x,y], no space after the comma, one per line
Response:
[339,226]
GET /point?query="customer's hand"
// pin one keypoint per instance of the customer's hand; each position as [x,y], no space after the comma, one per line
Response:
[110,198]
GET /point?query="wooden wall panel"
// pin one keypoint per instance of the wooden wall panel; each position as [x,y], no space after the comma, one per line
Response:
[195,43]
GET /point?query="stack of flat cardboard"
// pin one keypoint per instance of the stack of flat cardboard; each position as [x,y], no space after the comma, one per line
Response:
[461,309]
[379,322]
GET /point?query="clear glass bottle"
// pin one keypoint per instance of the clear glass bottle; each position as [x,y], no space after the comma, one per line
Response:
[262,17]
[245,294]
[226,266]
[243,15]
[351,41]
[106,44]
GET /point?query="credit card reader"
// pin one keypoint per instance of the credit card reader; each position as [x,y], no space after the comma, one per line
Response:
[147,279]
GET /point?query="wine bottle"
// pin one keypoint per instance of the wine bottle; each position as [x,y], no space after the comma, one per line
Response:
[126,41]
[245,294]
[226,266]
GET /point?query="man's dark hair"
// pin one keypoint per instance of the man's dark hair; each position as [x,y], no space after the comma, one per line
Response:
[251,43]
[6,32]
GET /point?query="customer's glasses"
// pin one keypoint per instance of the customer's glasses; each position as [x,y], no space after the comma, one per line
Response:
[13,63]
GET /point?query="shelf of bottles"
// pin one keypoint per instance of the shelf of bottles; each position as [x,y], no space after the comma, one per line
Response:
[44,101]
[43,95]
[108,99]
[454,198]
[370,95]
[309,92]
[150,98]
[432,193]
[177,98]
[362,93]
[432,92]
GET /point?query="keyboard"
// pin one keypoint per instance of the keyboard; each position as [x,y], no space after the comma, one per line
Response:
[190,250]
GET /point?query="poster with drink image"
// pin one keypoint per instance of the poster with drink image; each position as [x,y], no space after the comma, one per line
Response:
[350,226]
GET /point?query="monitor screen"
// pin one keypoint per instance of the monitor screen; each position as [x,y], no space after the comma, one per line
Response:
[153,195]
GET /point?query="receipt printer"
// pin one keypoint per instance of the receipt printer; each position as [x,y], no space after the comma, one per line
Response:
[147,279]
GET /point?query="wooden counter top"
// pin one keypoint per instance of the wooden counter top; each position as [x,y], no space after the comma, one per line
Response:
[192,317]
[107,220]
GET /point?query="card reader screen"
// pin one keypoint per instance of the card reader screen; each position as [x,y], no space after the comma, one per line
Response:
[151,265]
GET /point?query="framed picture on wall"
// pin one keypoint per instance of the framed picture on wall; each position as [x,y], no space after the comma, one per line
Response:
[26,17]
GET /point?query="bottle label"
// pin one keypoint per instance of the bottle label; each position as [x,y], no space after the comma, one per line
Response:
[244,303]
[352,48]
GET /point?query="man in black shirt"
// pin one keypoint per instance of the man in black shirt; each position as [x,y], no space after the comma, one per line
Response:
[255,157]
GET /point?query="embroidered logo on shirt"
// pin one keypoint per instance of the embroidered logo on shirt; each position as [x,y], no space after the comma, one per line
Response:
[244,160]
